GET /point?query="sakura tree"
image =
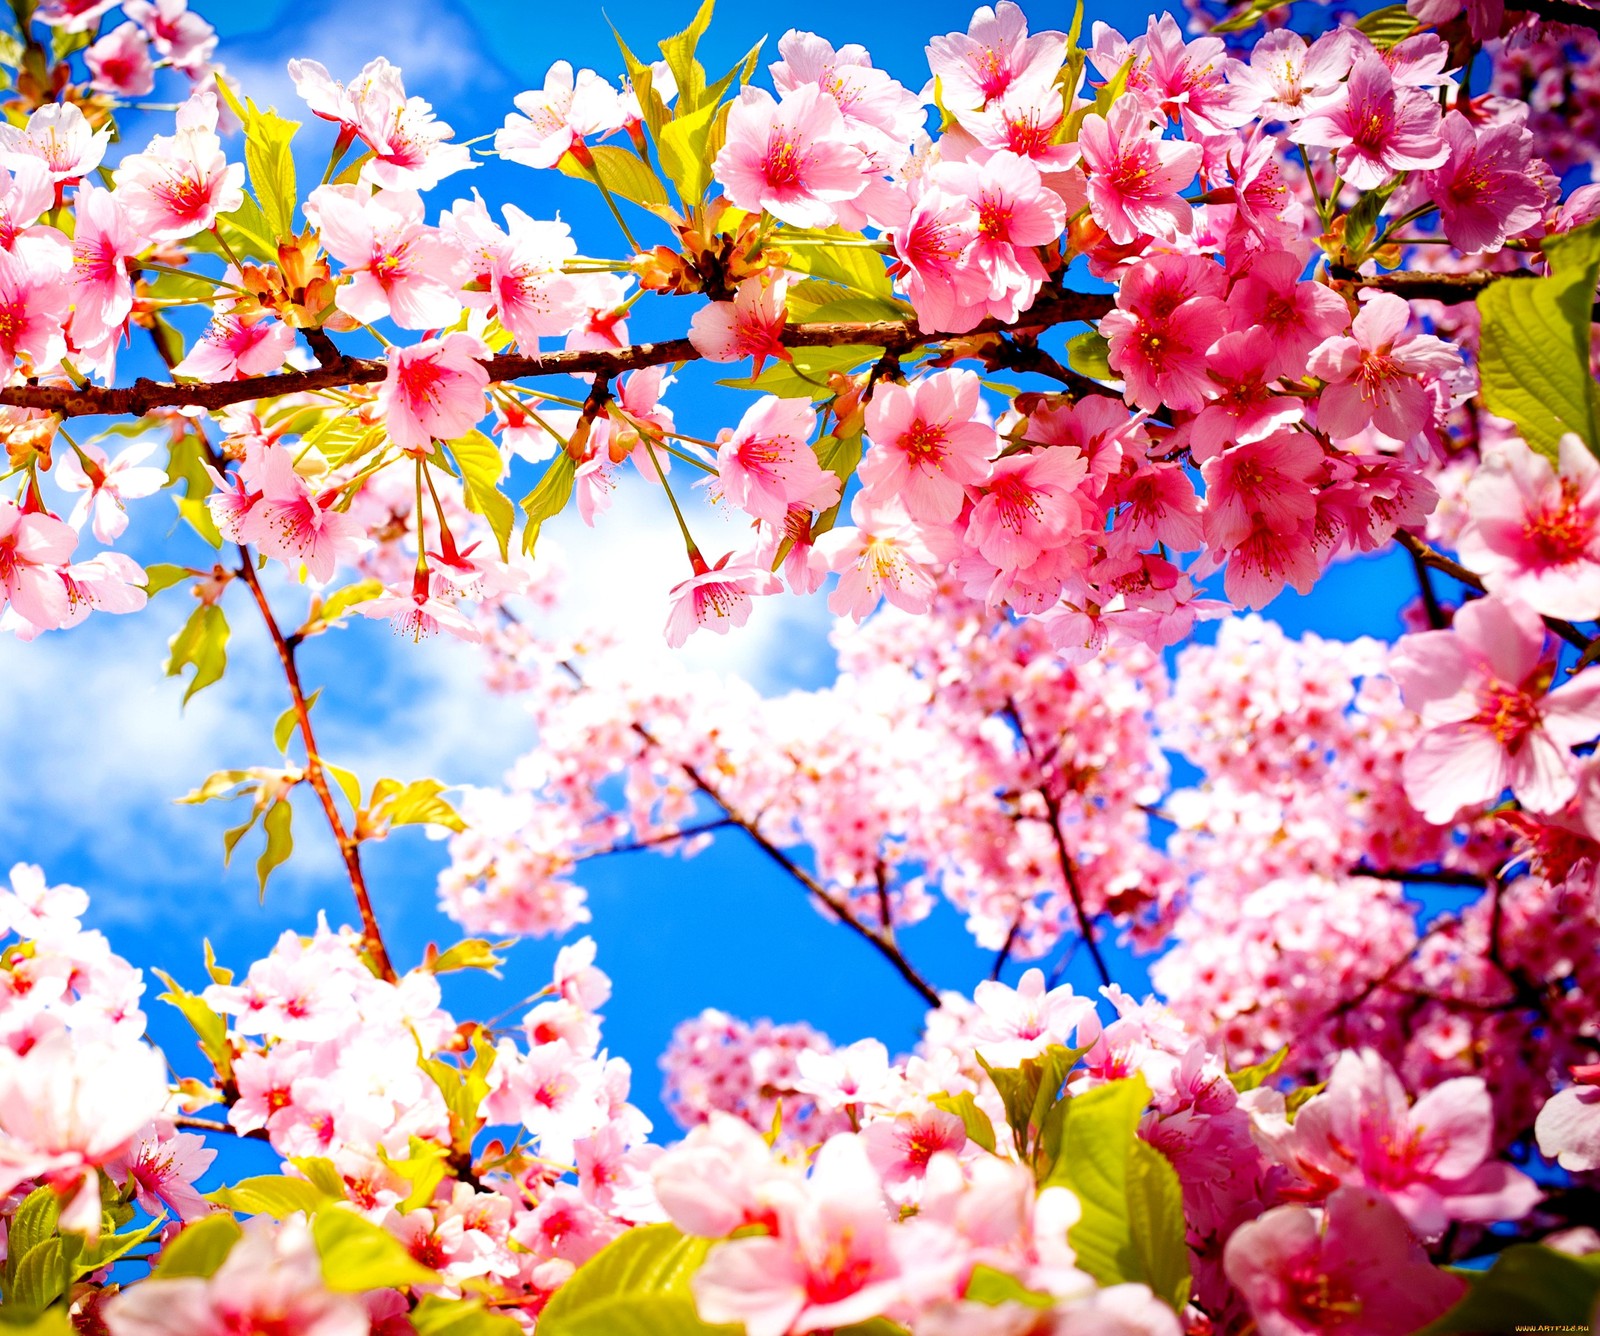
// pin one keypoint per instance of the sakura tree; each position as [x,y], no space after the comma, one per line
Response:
[1071,348]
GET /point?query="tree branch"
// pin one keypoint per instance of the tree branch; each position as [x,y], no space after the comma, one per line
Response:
[1422,877]
[316,774]
[144,394]
[1562,11]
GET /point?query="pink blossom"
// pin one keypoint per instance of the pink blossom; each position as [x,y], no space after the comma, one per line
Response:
[1377,376]
[1353,1266]
[1269,480]
[407,140]
[68,1106]
[1287,315]
[103,244]
[1023,121]
[1480,690]
[884,555]
[1028,504]
[1490,188]
[976,67]
[106,582]
[1433,1161]
[1012,1025]
[434,390]
[1135,175]
[751,325]
[120,62]
[270,1281]
[72,15]
[33,309]
[792,158]
[180,184]
[112,482]
[1168,315]
[1376,128]
[931,245]
[33,548]
[296,526]
[716,597]
[830,1263]
[1568,1126]
[559,118]
[1016,212]
[531,295]
[423,610]
[163,1165]
[1288,78]
[394,264]
[926,448]
[901,1147]
[767,464]
[233,348]
[1534,534]
[1242,406]
[58,134]
[881,113]
[176,31]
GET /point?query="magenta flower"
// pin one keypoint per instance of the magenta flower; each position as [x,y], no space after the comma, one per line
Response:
[931,246]
[1351,1267]
[1377,376]
[1243,405]
[434,390]
[1287,314]
[926,449]
[296,526]
[1029,504]
[883,555]
[792,158]
[120,63]
[767,464]
[33,308]
[716,597]
[1480,688]
[1376,128]
[102,245]
[1490,188]
[1534,534]
[1168,315]
[1135,175]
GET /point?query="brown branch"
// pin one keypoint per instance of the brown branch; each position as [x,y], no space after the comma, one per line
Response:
[1422,877]
[317,775]
[882,941]
[144,394]
[1562,11]
[1069,871]
[655,841]
[1428,556]
[207,1125]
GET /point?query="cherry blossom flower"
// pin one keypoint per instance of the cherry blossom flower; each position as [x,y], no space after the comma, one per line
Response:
[58,134]
[1012,1025]
[1532,533]
[559,118]
[767,464]
[120,62]
[882,555]
[1287,315]
[33,547]
[716,597]
[233,348]
[423,610]
[1290,78]
[531,295]
[163,1165]
[68,1106]
[434,390]
[181,183]
[1491,187]
[792,158]
[1354,1262]
[176,31]
[1378,129]
[33,309]
[112,482]
[930,245]
[1016,212]
[1169,313]
[296,526]
[976,67]
[926,448]
[1134,174]
[751,325]
[394,264]
[1480,690]
[103,244]
[1568,1126]
[1375,376]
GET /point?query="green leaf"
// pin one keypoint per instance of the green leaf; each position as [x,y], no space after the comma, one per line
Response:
[349,784]
[246,230]
[203,645]
[1132,1225]
[280,841]
[41,1277]
[200,1250]
[1246,16]
[424,1167]
[806,375]
[162,575]
[210,1028]
[683,144]
[415,804]
[53,1322]
[637,1285]
[1533,358]
[35,1221]
[988,1286]
[1528,1288]
[276,1195]
[217,973]
[358,1255]
[342,600]
[482,467]
[859,268]
[1030,1089]
[1252,1077]
[678,52]
[1090,355]
[979,1129]
[283,730]
[472,954]
[269,158]
[621,172]
[464,1090]
[322,1173]
[111,1247]
[435,1316]
[1388,26]
[548,498]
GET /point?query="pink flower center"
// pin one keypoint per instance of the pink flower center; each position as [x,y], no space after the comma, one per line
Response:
[1509,714]
[785,163]
[923,443]
[1560,532]
[838,1273]
[1321,1302]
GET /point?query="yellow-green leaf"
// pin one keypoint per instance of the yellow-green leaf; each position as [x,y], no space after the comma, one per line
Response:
[482,467]
[200,1250]
[202,644]
[358,1255]
[620,171]
[548,498]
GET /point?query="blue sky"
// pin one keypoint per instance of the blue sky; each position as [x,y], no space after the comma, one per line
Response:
[100,747]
